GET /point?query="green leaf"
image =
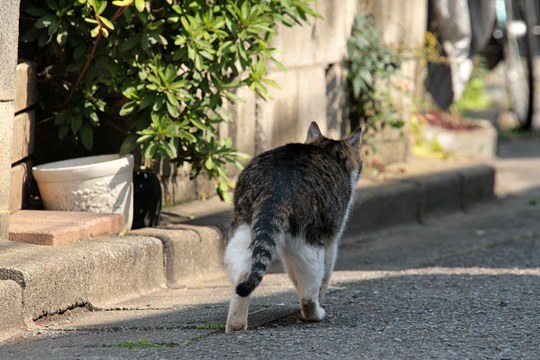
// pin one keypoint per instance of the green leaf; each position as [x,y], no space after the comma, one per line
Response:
[62,131]
[144,138]
[61,37]
[87,136]
[150,150]
[122,3]
[107,22]
[128,145]
[209,164]
[140,5]
[129,43]
[171,150]
[172,99]
[95,31]
[198,124]
[45,21]
[76,123]
[173,110]
[79,51]
[188,136]
[128,108]
[30,36]
[36,11]
[102,5]
[147,101]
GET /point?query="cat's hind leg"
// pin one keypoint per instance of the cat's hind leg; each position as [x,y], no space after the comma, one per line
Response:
[305,265]
[329,260]
[238,262]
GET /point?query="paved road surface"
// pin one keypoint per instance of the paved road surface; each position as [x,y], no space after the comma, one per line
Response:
[462,286]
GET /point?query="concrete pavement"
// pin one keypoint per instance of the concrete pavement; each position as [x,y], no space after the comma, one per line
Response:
[430,290]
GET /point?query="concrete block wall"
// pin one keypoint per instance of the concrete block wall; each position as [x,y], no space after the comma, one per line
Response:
[312,87]
[9,32]
[22,135]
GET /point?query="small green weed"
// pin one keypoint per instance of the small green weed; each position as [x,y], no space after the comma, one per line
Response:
[210,327]
[141,344]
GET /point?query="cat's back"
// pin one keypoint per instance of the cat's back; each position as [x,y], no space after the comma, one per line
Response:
[292,167]
[306,186]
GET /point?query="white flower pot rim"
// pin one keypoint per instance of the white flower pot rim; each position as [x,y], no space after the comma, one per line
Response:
[88,167]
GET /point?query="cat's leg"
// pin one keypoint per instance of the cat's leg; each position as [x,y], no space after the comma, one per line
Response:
[238,262]
[289,267]
[305,265]
[329,260]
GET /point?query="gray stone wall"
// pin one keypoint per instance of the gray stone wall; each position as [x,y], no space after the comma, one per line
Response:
[9,31]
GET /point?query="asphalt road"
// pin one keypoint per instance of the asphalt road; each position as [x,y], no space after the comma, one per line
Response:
[461,286]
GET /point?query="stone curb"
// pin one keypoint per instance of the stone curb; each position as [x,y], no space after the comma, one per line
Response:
[90,273]
[420,198]
[188,251]
[36,280]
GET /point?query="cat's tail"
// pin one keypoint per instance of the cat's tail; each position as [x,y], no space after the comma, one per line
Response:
[265,232]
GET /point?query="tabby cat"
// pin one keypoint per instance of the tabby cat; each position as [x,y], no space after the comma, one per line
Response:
[291,202]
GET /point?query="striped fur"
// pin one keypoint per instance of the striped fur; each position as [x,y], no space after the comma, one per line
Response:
[297,193]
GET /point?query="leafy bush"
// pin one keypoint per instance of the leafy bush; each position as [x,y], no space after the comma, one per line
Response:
[170,67]
[371,66]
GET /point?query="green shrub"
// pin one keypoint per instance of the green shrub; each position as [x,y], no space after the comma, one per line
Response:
[170,67]
[371,66]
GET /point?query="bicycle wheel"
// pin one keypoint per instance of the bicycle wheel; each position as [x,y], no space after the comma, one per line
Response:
[519,50]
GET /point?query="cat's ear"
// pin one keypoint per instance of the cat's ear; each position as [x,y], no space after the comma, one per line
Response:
[313,132]
[355,139]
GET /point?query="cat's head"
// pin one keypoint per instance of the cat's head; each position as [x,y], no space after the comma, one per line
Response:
[350,146]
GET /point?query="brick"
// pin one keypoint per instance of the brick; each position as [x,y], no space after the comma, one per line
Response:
[61,227]
[25,86]
[23,136]
[18,190]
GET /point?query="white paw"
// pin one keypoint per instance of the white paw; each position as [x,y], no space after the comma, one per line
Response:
[312,311]
[232,327]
